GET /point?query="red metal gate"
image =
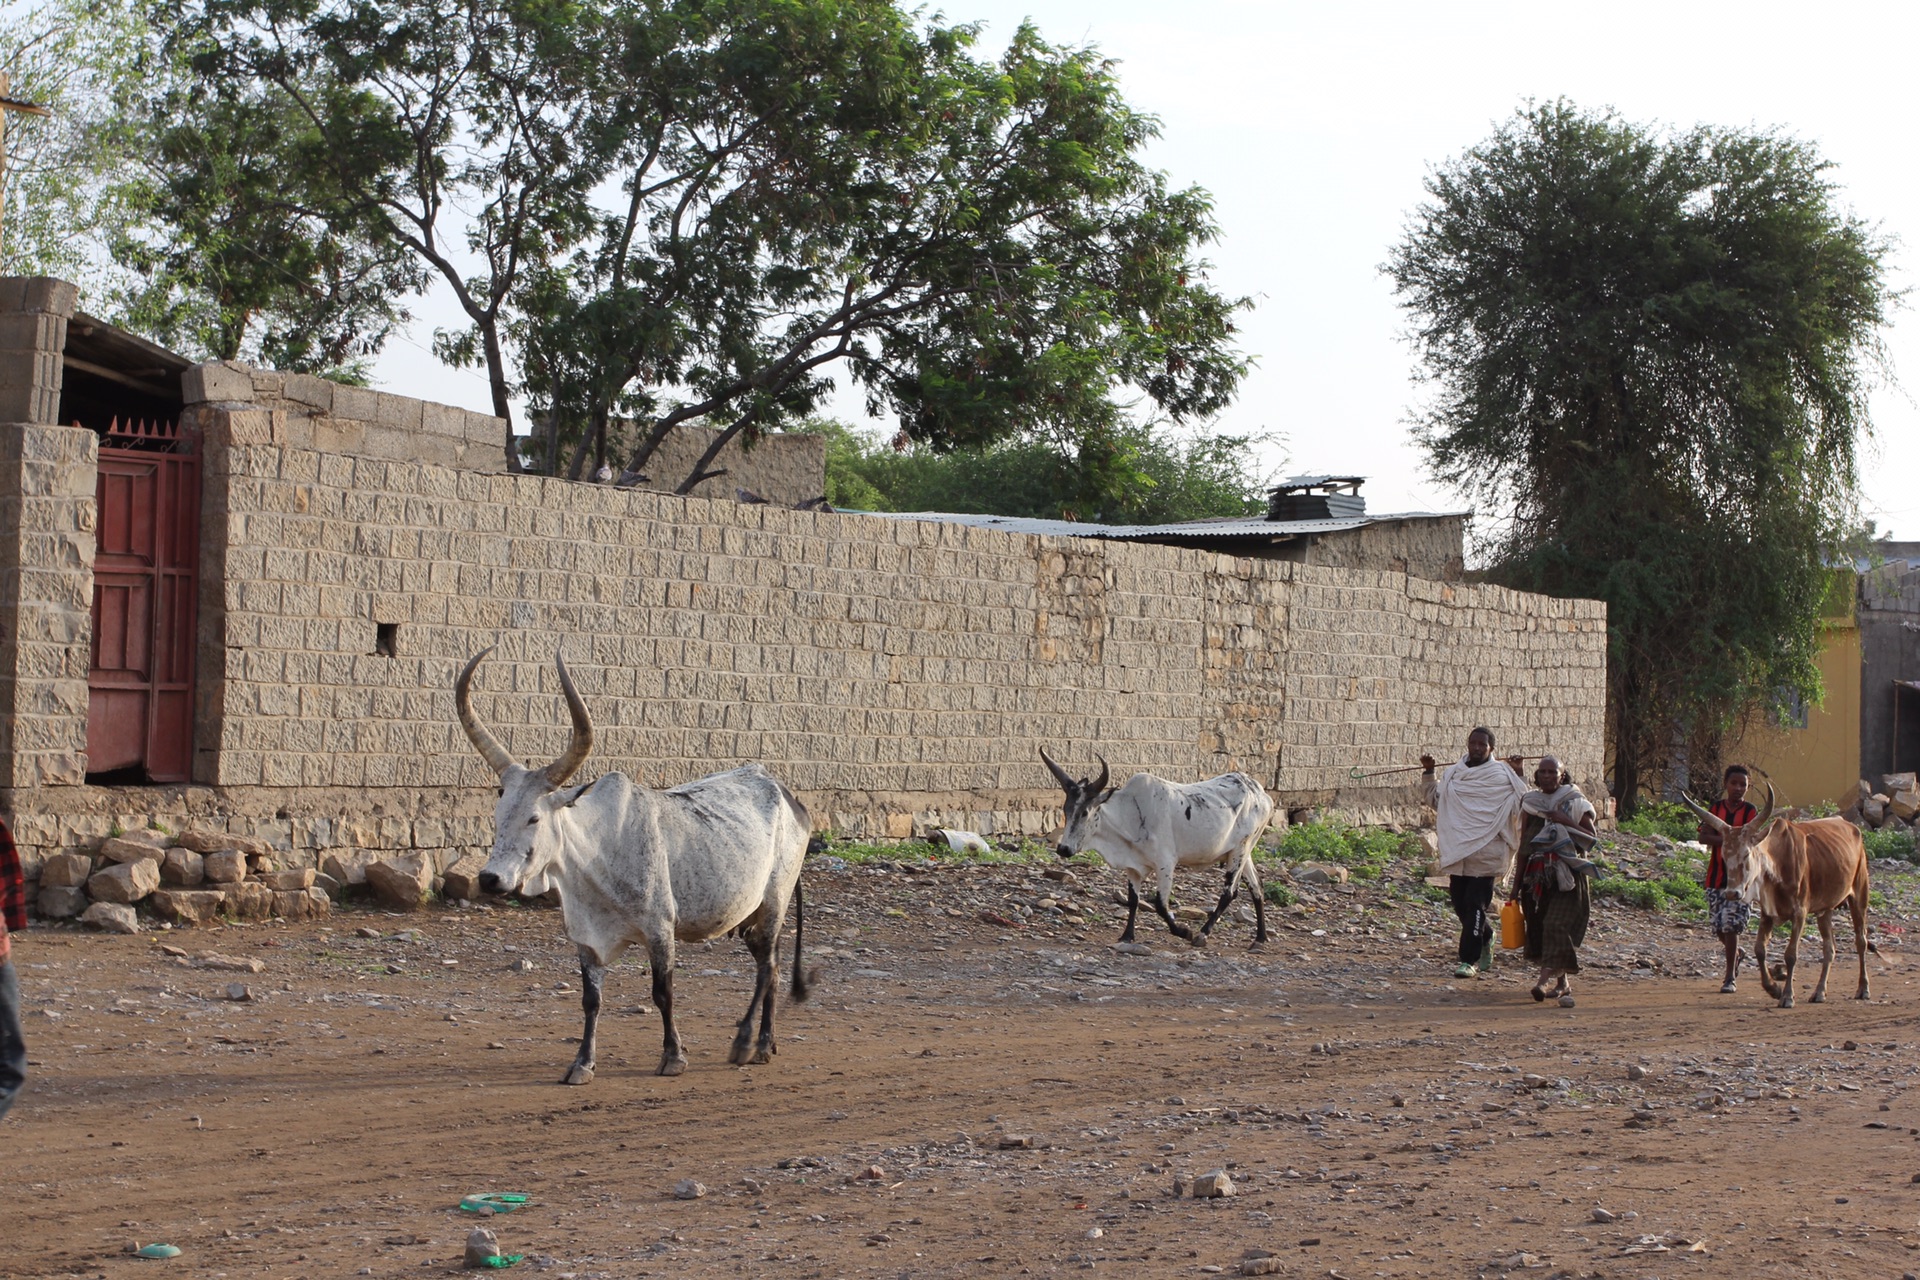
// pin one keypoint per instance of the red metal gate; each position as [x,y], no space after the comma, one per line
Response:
[145,607]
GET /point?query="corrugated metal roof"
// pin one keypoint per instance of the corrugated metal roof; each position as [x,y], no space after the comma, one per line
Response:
[1228,527]
[1307,482]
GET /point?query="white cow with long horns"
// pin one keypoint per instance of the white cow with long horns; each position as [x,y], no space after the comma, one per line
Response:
[1148,826]
[720,854]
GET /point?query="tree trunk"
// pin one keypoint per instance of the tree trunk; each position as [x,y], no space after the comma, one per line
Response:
[497,380]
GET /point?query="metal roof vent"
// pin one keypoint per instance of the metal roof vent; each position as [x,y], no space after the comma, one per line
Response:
[1317,498]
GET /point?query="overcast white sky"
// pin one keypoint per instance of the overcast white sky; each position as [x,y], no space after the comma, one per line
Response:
[1314,124]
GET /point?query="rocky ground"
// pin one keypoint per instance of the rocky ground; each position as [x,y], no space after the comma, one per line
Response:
[982,1085]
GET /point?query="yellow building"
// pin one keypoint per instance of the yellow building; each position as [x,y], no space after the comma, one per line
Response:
[1816,758]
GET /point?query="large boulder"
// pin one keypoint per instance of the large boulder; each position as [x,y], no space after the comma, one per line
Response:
[462,879]
[248,900]
[1894,783]
[65,871]
[225,866]
[183,868]
[1904,804]
[204,841]
[348,867]
[188,906]
[400,883]
[125,884]
[291,880]
[111,917]
[139,846]
[1873,811]
[1319,874]
[62,903]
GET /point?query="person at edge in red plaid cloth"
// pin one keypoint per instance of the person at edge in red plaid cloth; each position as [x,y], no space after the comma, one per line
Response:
[1727,911]
[13,917]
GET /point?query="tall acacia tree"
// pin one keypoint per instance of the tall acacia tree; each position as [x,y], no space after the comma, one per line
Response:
[681,210]
[1650,353]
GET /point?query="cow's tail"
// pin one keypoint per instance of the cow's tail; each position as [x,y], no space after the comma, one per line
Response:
[802,979]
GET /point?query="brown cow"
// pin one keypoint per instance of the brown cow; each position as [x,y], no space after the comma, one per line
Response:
[1791,870]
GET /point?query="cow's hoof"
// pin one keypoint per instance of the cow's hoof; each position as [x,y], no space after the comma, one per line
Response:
[1786,1002]
[1818,997]
[761,1056]
[1862,994]
[1259,944]
[672,1066]
[577,1074]
[1197,939]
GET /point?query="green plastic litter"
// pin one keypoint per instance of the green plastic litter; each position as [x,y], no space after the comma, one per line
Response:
[497,1201]
[157,1251]
[501,1261]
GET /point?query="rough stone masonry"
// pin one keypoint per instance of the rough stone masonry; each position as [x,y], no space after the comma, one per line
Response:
[899,675]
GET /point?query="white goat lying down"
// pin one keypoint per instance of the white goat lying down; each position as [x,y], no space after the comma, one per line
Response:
[720,854]
[1149,826]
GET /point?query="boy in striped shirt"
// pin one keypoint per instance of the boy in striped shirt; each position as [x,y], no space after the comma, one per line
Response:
[1727,911]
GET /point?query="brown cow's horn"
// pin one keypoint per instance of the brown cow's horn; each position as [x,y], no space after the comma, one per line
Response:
[562,769]
[1760,819]
[1719,824]
[484,742]
[1101,785]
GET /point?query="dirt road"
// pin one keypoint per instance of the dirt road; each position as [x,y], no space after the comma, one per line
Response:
[961,1098]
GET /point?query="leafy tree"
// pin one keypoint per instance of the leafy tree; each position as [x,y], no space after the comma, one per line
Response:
[684,210]
[69,186]
[1650,354]
[1167,478]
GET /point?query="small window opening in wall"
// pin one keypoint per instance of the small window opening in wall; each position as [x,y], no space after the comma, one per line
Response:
[386,639]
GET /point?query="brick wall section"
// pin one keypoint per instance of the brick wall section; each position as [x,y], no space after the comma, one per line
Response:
[782,468]
[899,674]
[47,516]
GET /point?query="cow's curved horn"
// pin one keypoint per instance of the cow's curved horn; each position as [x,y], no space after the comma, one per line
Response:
[562,769]
[1760,819]
[483,741]
[1101,785]
[1064,778]
[1718,824]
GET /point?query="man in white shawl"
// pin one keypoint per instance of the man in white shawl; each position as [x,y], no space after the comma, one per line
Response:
[1476,802]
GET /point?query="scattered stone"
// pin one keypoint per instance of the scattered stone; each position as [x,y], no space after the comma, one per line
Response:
[238,991]
[1133,949]
[872,1173]
[187,906]
[1904,804]
[366,931]
[143,846]
[1191,915]
[1212,1186]
[400,883]
[1022,1142]
[224,866]
[1601,1215]
[125,883]
[1268,1266]
[183,869]
[482,1248]
[1319,874]
[111,917]
[63,903]
[1182,1185]
[229,964]
[65,871]
[248,900]
[462,879]
[522,965]
[347,866]
[1636,1072]
[688,1189]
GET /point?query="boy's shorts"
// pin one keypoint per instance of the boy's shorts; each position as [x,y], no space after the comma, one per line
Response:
[1727,912]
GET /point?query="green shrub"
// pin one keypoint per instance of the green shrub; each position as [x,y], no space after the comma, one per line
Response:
[1365,853]
[1645,894]
[1658,818]
[1891,844]
[1281,896]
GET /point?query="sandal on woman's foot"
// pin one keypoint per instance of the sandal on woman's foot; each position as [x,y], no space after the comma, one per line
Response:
[1539,995]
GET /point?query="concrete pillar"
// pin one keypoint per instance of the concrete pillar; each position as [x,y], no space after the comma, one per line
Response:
[33,338]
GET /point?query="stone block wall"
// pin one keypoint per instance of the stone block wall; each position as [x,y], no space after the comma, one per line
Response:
[785,469]
[33,332]
[47,516]
[898,674]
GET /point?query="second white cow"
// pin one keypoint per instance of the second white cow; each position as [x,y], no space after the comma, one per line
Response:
[1149,826]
